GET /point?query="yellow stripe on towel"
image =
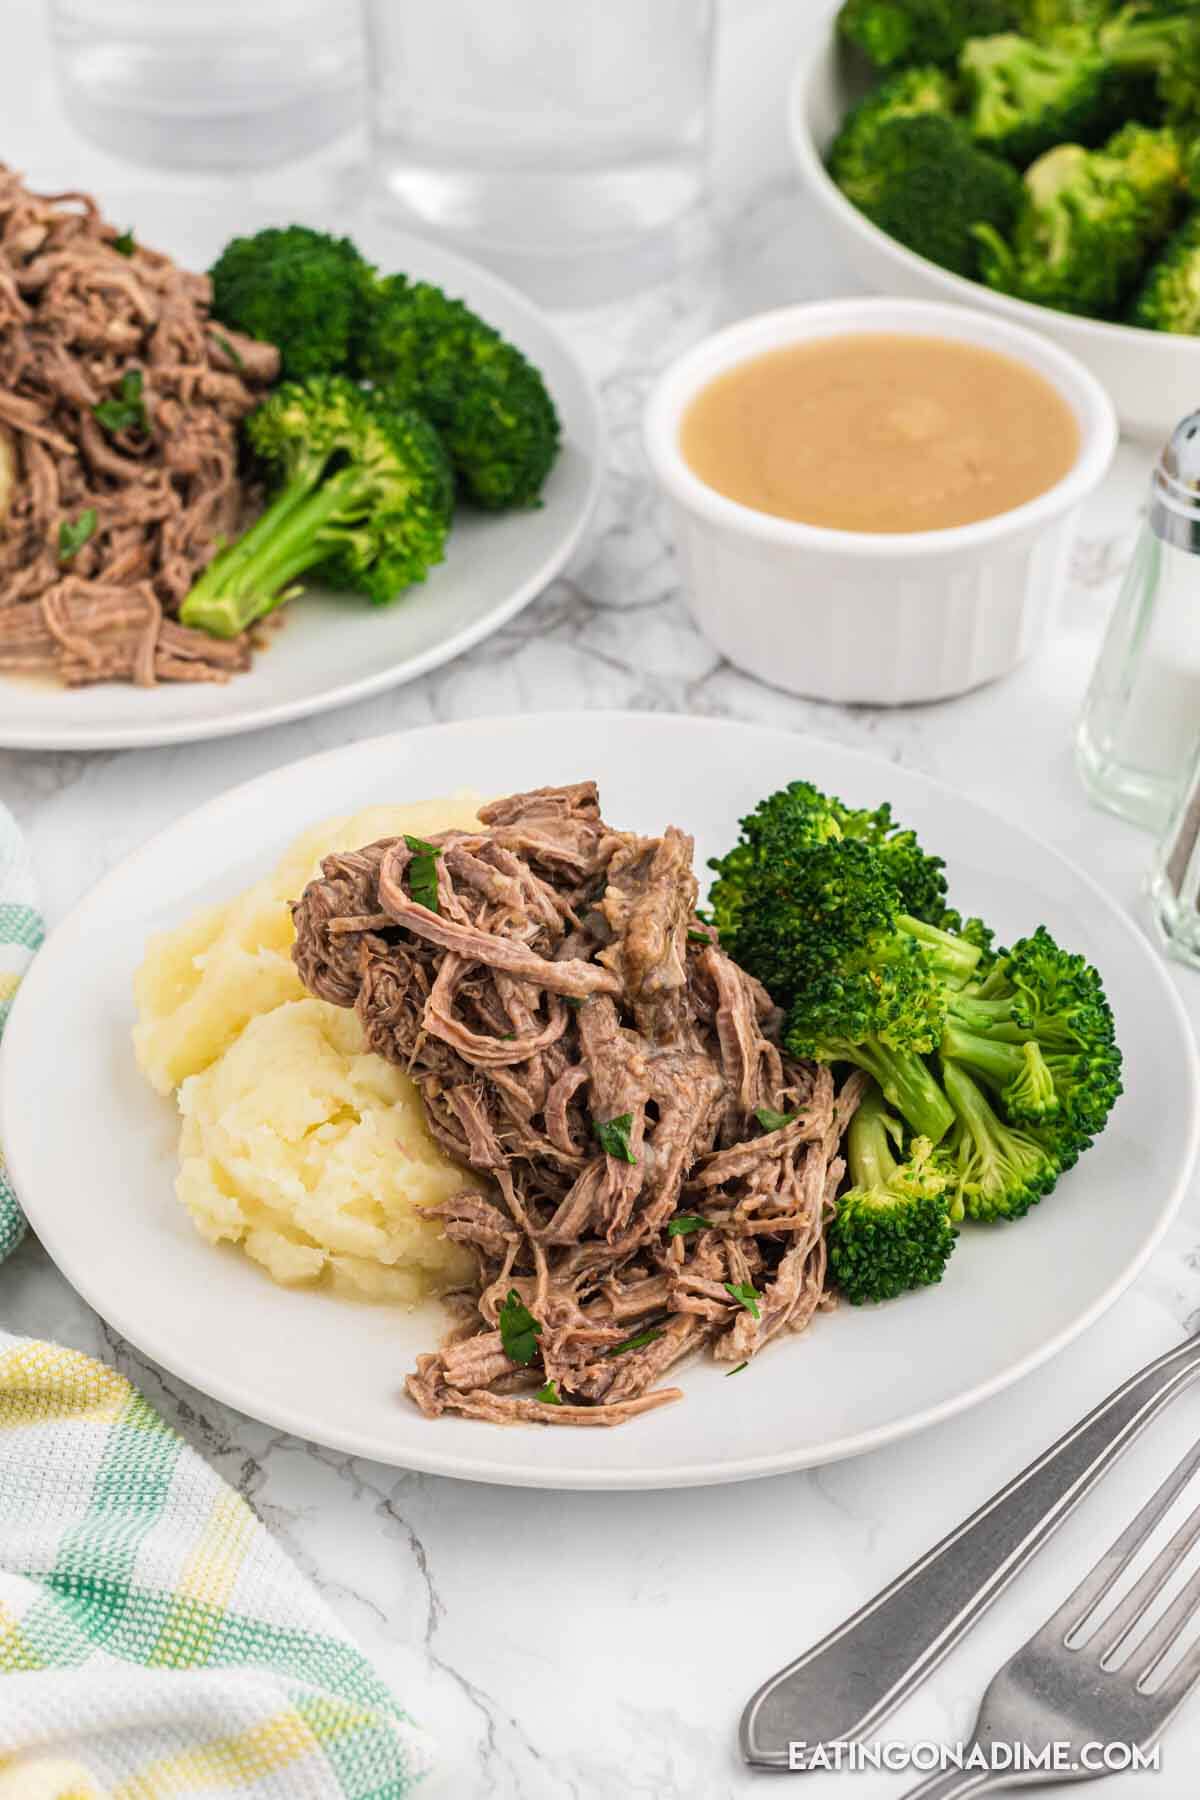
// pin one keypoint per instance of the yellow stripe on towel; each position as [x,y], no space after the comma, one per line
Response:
[205,1584]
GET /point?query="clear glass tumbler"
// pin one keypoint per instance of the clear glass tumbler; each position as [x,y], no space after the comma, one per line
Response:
[209,84]
[557,140]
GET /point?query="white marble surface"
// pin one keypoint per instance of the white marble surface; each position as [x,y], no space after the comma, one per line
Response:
[601,1646]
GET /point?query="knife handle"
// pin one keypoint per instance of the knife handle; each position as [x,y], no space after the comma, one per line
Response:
[841,1688]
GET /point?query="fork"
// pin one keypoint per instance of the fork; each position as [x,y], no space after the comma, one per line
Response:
[1064,1687]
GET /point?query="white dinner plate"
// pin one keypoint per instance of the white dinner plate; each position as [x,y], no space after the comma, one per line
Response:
[338,647]
[91,1148]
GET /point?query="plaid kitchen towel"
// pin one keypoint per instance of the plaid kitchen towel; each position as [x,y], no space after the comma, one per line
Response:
[155,1643]
[20,935]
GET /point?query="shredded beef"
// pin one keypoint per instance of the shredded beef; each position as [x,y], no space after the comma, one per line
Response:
[77,317]
[565,982]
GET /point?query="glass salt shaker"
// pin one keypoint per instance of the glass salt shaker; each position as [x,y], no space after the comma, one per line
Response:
[1141,718]
[1174,884]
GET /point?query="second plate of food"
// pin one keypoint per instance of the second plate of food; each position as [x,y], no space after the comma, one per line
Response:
[305,1156]
[334,647]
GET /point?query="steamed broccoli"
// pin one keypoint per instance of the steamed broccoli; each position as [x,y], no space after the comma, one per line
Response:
[817,914]
[815,901]
[930,186]
[1088,220]
[489,403]
[853,159]
[862,982]
[896,33]
[1169,297]
[788,823]
[299,289]
[1026,97]
[1000,1170]
[1039,1031]
[892,1229]
[364,500]
[1063,21]
[1162,42]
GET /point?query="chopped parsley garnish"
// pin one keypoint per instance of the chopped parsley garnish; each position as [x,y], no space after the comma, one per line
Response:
[73,534]
[635,1343]
[231,350]
[738,1370]
[613,1136]
[422,872]
[746,1294]
[125,410]
[699,937]
[519,1330]
[549,1395]
[574,1000]
[770,1120]
[124,245]
[682,1223]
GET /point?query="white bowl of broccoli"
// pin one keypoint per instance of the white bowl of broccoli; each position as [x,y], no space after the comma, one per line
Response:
[955,183]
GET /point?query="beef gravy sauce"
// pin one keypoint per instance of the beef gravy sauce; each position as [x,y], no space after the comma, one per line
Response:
[881,432]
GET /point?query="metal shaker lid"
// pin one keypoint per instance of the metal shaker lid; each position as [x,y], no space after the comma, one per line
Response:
[1175,489]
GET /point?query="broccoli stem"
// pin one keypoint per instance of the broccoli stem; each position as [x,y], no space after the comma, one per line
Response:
[252,577]
[907,1083]
[869,1146]
[1018,1072]
[986,1018]
[970,1106]
[954,958]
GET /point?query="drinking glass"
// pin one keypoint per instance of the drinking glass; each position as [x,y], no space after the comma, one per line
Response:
[208,84]
[559,140]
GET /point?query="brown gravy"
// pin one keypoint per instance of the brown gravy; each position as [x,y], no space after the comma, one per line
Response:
[880,431]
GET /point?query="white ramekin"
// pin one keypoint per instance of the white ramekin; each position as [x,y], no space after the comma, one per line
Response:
[882,618]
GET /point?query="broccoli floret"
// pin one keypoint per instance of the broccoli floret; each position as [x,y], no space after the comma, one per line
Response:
[897,33]
[1088,220]
[853,159]
[892,1229]
[490,404]
[1169,297]
[861,980]
[920,878]
[1063,21]
[1039,1032]
[814,901]
[1000,1170]
[931,187]
[299,289]
[1163,43]
[364,499]
[1026,97]
[790,822]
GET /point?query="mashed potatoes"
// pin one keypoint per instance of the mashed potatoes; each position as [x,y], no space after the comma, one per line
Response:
[313,1154]
[297,1143]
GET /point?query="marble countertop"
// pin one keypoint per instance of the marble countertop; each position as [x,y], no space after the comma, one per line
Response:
[601,1646]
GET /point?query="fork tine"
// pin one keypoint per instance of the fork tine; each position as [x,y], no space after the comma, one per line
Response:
[1181,1680]
[1163,1633]
[1094,1586]
[1112,1632]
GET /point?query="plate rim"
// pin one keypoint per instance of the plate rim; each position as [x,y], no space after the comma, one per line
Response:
[627,1479]
[151,736]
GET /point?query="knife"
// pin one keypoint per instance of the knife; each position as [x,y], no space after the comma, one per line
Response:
[838,1691]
